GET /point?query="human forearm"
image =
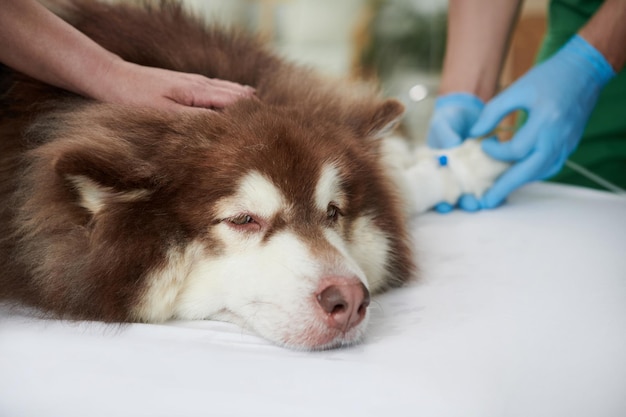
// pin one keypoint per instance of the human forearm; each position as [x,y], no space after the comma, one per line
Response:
[478,36]
[37,43]
[606,31]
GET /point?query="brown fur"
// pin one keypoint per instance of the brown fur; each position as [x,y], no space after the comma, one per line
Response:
[56,255]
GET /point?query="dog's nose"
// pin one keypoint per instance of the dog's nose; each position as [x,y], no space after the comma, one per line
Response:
[345,304]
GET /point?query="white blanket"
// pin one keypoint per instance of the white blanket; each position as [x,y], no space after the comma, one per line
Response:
[520,311]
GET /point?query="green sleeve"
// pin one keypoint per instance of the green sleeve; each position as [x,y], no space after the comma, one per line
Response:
[603,147]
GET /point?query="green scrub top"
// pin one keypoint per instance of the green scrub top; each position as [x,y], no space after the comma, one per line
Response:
[602,149]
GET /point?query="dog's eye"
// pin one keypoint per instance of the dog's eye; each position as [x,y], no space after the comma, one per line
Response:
[333,212]
[244,223]
[242,220]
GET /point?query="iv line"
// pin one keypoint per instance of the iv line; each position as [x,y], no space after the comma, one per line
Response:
[595,178]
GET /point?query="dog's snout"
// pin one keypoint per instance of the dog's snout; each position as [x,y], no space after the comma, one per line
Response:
[344,303]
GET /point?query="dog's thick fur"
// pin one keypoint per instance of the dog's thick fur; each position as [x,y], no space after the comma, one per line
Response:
[130,214]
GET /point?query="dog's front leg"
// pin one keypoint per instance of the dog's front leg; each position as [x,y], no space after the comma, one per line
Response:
[429,176]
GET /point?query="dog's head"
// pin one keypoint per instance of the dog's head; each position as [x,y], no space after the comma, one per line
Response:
[264,216]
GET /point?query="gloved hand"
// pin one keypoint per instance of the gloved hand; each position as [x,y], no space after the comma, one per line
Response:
[453,117]
[558,96]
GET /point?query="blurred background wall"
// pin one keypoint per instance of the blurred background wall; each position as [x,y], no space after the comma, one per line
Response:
[398,44]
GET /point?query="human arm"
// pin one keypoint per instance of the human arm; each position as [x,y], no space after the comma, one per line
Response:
[558,96]
[606,32]
[478,38]
[477,41]
[40,44]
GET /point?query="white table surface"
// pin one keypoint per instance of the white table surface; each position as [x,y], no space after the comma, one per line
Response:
[520,311]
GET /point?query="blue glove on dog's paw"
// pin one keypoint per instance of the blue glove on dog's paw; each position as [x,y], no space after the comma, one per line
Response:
[453,117]
[558,96]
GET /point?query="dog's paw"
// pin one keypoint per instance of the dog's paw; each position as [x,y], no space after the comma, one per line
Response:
[443,175]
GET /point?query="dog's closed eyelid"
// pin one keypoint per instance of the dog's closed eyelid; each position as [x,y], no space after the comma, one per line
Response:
[242,219]
[333,211]
[245,222]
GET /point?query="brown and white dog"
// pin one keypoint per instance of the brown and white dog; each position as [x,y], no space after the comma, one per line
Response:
[277,214]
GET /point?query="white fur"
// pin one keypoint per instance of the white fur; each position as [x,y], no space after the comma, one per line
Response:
[256,195]
[164,284]
[94,196]
[369,246]
[262,288]
[425,182]
[328,188]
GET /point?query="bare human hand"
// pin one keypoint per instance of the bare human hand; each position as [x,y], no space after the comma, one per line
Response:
[38,43]
[127,83]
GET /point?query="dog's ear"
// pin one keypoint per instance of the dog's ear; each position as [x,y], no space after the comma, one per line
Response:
[106,154]
[380,120]
[95,197]
[99,174]
[115,165]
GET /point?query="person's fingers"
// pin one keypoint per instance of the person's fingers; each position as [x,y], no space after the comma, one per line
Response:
[198,80]
[196,90]
[443,208]
[469,202]
[494,111]
[216,97]
[515,149]
[230,85]
[208,95]
[220,93]
[442,136]
[519,174]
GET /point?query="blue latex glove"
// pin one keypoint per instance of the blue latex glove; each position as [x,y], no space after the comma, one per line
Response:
[558,96]
[453,117]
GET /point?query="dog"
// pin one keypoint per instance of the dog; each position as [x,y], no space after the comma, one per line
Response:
[277,213]
[283,213]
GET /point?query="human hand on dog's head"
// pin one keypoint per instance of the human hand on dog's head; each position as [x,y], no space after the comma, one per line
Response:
[66,58]
[131,84]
